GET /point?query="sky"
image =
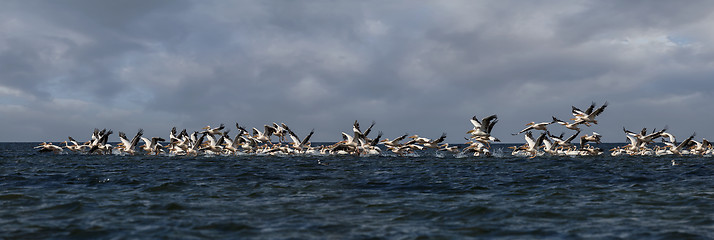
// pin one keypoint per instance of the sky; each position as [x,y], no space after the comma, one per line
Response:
[416,67]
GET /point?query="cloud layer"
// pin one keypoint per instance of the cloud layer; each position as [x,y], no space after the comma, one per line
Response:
[424,68]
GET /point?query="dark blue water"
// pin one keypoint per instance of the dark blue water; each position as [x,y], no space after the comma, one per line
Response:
[98,197]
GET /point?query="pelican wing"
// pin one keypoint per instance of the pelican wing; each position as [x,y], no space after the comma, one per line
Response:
[529,139]
[490,126]
[376,140]
[307,138]
[293,137]
[570,139]
[135,140]
[440,139]
[474,121]
[598,111]
[590,109]
[369,129]
[124,140]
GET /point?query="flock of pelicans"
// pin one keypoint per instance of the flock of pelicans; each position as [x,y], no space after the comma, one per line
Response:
[218,141]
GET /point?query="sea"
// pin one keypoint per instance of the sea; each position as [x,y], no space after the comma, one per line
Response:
[426,195]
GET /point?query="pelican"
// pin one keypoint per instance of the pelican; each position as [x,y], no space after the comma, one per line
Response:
[476,147]
[213,144]
[394,142]
[533,145]
[263,136]
[644,137]
[635,144]
[677,148]
[229,147]
[75,147]
[701,147]
[152,146]
[418,140]
[180,144]
[571,126]
[483,128]
[172,135]
[357,131]
[447,148]
[550,146]
[595,137]
[49,147]
[101,143]
[195,144]
[590,151]
[349,140]
[564,143]
[435,143]
[589,115]
[128,146]
[532,125]
[279,131]
[213,131]
[369,147]
[298,144]
[97,136]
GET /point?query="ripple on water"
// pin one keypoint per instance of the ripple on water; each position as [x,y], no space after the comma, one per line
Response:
[79,196]
[176,186]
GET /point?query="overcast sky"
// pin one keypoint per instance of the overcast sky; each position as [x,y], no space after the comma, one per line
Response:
[417,67]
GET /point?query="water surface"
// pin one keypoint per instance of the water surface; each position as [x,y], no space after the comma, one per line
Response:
[44,195]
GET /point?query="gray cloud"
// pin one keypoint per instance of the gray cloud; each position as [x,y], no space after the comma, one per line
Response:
[423,68]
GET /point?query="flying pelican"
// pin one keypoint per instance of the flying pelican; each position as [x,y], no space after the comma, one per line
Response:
[550,146]
[482,129]
[101,143]
[532,125]
[49,147]
[417,140]
[643,136]
[589,115]
[213,131]
[213,144]
[229,147]
[128,146]
[195,144]
[152,146]
[279,131]
[263,136]
[571,126]
[590,138]
[701,148]
[447,148]
[677,148]
[369,147]
[435,143]
[478,148]
[75,147]
[564,143]
[357,131]
[395,142]
[533,145]
[298,144]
